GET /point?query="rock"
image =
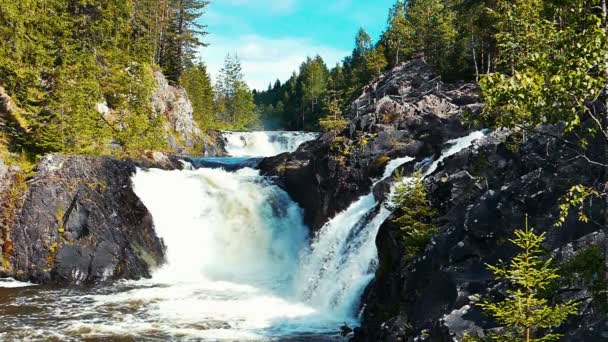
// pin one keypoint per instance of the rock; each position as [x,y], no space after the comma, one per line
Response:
[81,223]
[482,194]
[174,104]
[408,112]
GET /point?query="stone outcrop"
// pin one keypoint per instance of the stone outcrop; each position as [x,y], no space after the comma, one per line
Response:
[482,194]
[81,222]
[183,133]
[410,112]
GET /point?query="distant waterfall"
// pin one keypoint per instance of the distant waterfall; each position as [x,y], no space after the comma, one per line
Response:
[264,144]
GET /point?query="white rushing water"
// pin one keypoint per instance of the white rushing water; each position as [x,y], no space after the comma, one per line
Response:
[240,267]
[342,259]
[264,143]
[12,283]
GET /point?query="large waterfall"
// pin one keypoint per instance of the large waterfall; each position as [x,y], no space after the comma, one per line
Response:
[240,266]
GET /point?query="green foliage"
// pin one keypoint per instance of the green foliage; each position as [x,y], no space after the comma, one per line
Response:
[525,313]
[434,31]
[180,33]
[11,202]
[334,121]
[399,35]
[555,70]
[588,268]
[416,215]
[66,58]
[234,101]
[575,198]
[197,82]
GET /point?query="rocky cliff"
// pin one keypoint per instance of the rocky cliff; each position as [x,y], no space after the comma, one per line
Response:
[79,221]
[407,112]
[76,219]
[182,132]
[481,193]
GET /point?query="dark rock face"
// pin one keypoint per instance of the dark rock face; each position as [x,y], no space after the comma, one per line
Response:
[483,194]
[408,112]
[81,222]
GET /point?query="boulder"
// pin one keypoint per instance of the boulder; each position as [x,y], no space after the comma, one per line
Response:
[81,222]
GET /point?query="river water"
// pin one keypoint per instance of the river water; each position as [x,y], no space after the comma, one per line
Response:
[240,264]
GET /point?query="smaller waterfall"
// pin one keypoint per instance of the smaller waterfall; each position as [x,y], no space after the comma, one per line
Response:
[264,143]
[342,259]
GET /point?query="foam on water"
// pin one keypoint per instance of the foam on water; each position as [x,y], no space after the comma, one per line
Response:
[264,143]
[12,283]
[240,267]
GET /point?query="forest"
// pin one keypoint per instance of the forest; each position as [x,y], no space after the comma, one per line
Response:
[395,219]
[66,64]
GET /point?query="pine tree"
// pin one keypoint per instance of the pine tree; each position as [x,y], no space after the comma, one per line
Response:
[233,99]
[182,36]
[434,31]
[333,121]
[416,214]
[399,35]
[197,83]
[525,313]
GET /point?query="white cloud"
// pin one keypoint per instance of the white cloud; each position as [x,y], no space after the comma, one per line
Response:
[266,59]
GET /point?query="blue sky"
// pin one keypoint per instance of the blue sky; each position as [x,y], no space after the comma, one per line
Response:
[272,37]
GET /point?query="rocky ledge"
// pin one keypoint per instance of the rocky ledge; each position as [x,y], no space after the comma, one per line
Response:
[407,112]
[483,194]
[78,221]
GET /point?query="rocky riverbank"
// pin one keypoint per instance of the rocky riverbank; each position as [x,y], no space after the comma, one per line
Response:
[78,221]
[407,112]
[481,193]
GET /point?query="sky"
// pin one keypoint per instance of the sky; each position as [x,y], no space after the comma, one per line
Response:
[273,37]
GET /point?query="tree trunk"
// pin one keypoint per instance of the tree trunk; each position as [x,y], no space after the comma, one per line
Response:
[475,58]
[397,55]
[605,128]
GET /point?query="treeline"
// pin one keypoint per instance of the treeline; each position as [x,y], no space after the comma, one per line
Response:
[80,71]
[457,37]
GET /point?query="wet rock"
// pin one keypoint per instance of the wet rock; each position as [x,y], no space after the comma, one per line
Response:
[407,112]
[482,195]
[81,222]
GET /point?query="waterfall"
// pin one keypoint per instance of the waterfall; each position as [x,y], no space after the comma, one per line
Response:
[264,144]
[240,266]
[343,258]
[233,242]
[223,225]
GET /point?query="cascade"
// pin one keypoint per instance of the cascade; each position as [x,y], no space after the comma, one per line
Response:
[343,258]
[240,265]
[264,143]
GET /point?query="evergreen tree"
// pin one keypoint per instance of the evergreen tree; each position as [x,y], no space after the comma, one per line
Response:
[233,99]
[313,81]
[415,214]
[398,38]
[181,37]
[197,83]
[434,31]
[525,313]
